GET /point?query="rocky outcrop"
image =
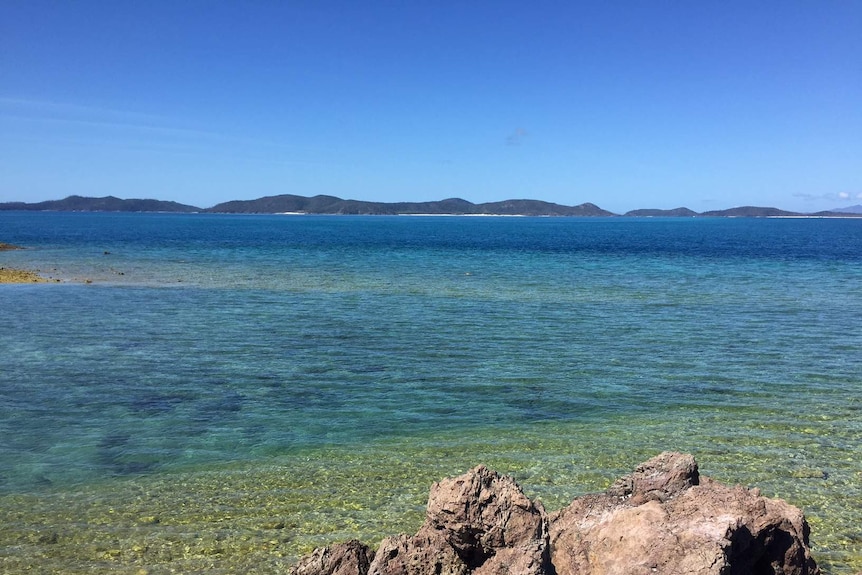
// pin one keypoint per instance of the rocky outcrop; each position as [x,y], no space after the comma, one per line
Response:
[662,518]
[480,522]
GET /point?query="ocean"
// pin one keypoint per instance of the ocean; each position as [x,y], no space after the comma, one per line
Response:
[221,393]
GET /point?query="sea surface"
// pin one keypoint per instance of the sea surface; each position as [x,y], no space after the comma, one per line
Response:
[221,393]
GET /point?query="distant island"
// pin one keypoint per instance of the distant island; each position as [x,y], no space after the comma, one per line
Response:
[453,206]
[106,204]
[321,204]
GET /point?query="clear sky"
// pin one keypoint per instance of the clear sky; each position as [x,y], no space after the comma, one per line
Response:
[705,104]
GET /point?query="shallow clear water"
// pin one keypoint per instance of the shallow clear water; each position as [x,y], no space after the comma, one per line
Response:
[320,372]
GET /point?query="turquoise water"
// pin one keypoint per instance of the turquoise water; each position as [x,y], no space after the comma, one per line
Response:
[383,352]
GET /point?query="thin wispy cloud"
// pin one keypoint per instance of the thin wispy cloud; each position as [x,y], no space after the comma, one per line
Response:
[517,137]
[95,117]
[73,125]
[830,196]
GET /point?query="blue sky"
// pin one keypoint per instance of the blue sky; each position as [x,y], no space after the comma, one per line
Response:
[627,105]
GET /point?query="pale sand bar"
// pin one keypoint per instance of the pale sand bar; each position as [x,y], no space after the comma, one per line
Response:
[15,276]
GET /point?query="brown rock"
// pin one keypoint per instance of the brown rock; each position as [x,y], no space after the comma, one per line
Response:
[348,558]
[659,479]
[480,522]
[482,513]
[664,519]
[423,554]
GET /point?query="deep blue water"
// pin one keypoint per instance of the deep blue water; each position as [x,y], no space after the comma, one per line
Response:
[206,339]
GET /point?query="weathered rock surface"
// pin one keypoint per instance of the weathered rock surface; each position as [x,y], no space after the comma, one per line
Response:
[480,522]
[348,558]
[663,518]
[417,555]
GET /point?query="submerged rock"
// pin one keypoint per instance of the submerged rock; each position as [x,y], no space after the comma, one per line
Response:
[662,518]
